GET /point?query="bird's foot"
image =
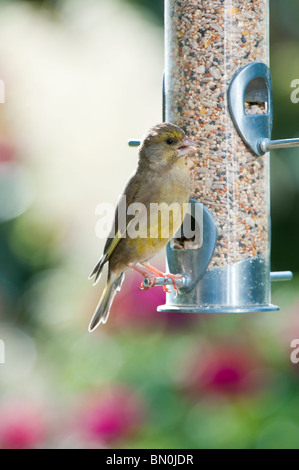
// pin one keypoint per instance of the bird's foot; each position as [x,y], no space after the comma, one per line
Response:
[166,276]
[173,277]
[151,274]
[151,282]
[147,274]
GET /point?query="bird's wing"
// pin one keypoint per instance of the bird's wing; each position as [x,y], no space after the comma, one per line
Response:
[131,193]
[117,232]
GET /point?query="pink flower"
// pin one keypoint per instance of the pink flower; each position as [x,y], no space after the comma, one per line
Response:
[225,369]
[7,152]
[21,427]
[111,414]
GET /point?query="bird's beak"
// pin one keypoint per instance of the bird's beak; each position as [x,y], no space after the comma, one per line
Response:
[187,147]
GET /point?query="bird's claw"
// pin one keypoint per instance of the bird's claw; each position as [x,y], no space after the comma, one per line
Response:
[151,277]
[173,277]
[152,282]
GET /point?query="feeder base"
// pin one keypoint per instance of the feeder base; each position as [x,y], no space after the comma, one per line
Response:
[249,309]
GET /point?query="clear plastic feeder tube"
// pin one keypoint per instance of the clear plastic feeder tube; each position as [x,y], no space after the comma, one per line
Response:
[206,43]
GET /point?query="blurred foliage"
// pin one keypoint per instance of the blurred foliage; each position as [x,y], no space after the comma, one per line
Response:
[154,7]
[284,37]
[152,380]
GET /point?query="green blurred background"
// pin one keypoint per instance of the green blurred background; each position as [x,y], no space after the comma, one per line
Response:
[81,78]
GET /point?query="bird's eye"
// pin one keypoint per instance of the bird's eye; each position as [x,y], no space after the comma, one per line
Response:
[169,141]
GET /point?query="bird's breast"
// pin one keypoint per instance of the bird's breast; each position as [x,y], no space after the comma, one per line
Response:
[169,205]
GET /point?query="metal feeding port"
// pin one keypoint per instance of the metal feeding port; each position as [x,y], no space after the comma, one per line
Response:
[217,87]
[251,108]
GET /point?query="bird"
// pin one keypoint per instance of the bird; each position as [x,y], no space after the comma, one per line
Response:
[161,180]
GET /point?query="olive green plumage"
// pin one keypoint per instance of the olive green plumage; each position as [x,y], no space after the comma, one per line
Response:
[161,177]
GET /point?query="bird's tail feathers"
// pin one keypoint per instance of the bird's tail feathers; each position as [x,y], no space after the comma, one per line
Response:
[97,270]
[103,308]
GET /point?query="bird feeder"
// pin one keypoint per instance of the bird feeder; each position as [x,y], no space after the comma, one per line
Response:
[217,87]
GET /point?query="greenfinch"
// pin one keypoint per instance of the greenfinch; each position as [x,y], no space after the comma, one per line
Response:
[161,178]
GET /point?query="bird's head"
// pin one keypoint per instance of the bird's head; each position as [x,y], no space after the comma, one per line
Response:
[165,144]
